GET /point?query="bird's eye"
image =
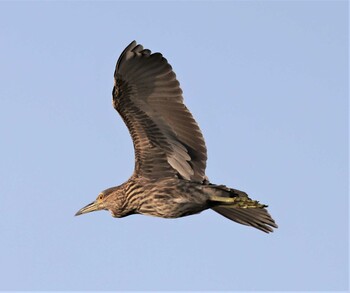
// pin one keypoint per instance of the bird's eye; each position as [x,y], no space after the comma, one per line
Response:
[100,196]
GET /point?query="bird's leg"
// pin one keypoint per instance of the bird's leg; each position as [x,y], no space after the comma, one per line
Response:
[234,198]
[222,200]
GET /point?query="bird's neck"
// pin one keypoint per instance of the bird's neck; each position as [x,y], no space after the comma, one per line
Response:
[131,198]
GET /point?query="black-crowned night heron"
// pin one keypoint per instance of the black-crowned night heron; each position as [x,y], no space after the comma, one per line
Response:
[169,180]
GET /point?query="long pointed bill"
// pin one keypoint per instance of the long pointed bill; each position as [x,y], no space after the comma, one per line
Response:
[92,207]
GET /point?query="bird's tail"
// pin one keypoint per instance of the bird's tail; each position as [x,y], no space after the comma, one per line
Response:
[237,206]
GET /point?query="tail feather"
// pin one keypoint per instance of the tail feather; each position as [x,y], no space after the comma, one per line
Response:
[258,218]
[237,206]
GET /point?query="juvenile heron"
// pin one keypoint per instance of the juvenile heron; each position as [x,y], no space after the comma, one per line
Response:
[169,179]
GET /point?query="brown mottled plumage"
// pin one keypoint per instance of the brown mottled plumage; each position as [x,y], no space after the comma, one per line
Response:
[170,154]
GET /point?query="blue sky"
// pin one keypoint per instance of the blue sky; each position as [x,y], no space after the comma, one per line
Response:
[267,82]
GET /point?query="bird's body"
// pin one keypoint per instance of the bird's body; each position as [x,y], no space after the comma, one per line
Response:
[166,198]
[170,154]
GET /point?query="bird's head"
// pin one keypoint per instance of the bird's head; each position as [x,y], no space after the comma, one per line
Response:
[96,205]
[109,199]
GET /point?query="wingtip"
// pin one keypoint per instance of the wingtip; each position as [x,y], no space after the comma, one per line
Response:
[132,45]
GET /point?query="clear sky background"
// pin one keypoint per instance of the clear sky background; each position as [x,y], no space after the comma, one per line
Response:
[267,82]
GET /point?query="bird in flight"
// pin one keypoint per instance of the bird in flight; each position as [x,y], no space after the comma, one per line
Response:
[169,178]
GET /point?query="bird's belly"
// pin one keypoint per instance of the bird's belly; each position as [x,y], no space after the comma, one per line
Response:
[172,207]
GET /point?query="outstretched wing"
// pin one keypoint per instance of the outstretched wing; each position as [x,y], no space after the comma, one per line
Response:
[167,140]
